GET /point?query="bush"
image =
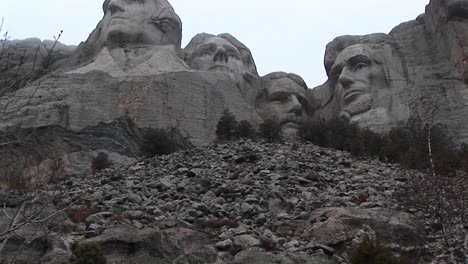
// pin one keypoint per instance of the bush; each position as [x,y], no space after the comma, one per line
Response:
[448,161]
[88,254]
[335,133]
[370,251]
[159,142]
[227,127]
[415,158]
[79,214]
[464,156]
[404,145]
[271,130]
[314,132]
[245,129]
[100,162]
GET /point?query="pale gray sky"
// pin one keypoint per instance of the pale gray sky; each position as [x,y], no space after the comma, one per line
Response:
[283,35]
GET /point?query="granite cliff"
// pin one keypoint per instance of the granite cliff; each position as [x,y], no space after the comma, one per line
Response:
[245,202]
[146,77]
[373,79]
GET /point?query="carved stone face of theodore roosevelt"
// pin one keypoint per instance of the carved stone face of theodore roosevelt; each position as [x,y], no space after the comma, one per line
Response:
[284,98]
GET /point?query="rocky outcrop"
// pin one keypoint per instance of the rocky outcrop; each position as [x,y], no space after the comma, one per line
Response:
[421,58]
[24,61]
[37,231]
[126,244]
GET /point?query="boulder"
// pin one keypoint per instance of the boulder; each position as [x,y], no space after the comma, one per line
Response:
[252,257]
[338,227]
[126,244]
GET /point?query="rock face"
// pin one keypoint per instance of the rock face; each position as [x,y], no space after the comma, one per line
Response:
[133,68]
[23,61]
[374,78]
[191,101]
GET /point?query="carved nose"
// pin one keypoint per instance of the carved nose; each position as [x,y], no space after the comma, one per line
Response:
[295,106]
[115,6]
[345,78]
[221,56]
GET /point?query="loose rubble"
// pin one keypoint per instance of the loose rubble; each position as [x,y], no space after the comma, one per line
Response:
[243,201]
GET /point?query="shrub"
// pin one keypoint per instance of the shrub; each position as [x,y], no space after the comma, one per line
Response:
[159,142]
[271,130]
[268,244]
[464,156]
[100,162]
[371,251]
[227,127]
[79,214]
[88,254]
[371,142]
[335,133]
[396,143]
[245,129]
[415,158]
[314,132]
[448,161]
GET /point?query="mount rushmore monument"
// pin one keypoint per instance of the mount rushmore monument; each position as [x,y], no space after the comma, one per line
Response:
[132,68]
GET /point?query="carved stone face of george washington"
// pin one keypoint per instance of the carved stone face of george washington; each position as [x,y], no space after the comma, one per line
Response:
[140,23]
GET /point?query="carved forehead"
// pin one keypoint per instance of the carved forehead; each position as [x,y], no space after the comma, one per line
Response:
[216,42]
[284,84]
[353,51]
[159,3]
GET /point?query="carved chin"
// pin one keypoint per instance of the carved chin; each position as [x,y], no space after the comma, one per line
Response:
[361,104]
[290,129]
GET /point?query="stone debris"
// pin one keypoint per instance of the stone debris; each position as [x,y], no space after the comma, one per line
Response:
[302,200]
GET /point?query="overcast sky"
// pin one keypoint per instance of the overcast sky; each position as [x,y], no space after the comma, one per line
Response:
[283,35]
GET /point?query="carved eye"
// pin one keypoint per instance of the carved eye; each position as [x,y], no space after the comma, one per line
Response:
[335,72]
[302,100]
[361,65]
[280,98]
[205,53]
[233,56]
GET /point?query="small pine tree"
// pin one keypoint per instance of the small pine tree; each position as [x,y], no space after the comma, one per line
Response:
[88,254]
[227,128]
[371,251]
[100,162]
[158,142]
[271,130]
[245,129]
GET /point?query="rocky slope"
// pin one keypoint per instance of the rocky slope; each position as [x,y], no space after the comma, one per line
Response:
[242,202]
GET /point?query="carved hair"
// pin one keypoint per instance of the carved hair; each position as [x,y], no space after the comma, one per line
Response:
[263,94]
[165,19]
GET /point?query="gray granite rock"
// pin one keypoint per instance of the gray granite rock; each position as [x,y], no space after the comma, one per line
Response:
[425,57]
[125,244]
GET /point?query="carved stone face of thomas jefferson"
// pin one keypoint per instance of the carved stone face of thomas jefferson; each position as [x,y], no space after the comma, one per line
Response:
[357,75]
[140,23]
[217,54]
